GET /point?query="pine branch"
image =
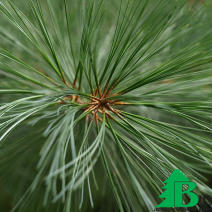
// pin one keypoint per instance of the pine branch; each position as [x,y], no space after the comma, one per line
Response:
[106,99]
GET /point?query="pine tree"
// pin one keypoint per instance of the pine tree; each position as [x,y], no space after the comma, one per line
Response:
[100,100]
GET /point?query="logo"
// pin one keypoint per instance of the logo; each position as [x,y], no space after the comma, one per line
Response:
[176,186]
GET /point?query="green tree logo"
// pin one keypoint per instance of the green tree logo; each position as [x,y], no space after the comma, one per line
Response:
[174,191]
